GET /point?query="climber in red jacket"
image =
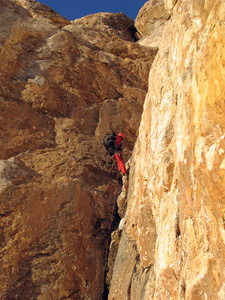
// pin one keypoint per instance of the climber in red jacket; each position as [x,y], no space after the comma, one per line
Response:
[112,143]
[117,156]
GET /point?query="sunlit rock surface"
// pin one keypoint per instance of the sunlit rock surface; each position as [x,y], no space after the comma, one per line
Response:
[172,246]
[62,87]
[150,23]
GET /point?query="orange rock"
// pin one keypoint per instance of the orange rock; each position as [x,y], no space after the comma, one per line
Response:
[173,242]
[63,86]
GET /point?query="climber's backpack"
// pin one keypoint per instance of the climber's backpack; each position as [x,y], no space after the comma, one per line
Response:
[109,142]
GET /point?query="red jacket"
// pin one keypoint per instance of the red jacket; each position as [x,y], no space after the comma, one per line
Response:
[117,156]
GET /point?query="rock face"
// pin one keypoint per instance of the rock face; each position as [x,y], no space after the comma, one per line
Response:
[173,242]
[63,86]
[114,24]
[150,23]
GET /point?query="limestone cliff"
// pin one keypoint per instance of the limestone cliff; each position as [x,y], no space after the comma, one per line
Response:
[173,242]
[63,85]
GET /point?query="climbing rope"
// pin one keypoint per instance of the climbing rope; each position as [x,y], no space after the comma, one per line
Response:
[108,234]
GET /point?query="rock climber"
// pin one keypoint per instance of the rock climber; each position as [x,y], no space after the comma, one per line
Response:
[112,143]
[117,156]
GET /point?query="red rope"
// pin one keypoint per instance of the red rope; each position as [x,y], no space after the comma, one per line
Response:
[108,235]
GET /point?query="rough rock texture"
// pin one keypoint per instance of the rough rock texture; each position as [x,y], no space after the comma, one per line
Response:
[62,87]
[115,239]
[150,23]
[115,24]
[173,243]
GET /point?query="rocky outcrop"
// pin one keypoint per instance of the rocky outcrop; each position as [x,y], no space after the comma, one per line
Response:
[150,22]
[116,25]
[41,11]
[173,241]
[63,86]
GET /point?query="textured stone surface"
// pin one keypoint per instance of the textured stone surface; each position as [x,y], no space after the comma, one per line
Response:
[40,11]
[116,25]
[172,246]
[62,87]
[150,22]
[114,244]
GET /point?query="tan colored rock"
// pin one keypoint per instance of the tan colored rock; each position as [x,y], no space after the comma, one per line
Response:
[115,239]
[175,214]
[117,25]
[150,23]
[122,199]
[169,4]
[62,89]
[38,10]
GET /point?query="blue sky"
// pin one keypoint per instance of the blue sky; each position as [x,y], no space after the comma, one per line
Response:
[74,9]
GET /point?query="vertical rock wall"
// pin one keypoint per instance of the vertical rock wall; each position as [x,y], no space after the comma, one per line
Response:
[173,243]
[63,85]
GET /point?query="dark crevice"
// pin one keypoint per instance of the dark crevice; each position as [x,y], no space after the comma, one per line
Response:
[134,32]
[183,289]
[178,233]
[41,255]
[6,214]
[114,226]
[129,290]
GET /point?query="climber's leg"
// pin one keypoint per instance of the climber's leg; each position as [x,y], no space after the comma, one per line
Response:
[120,163]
